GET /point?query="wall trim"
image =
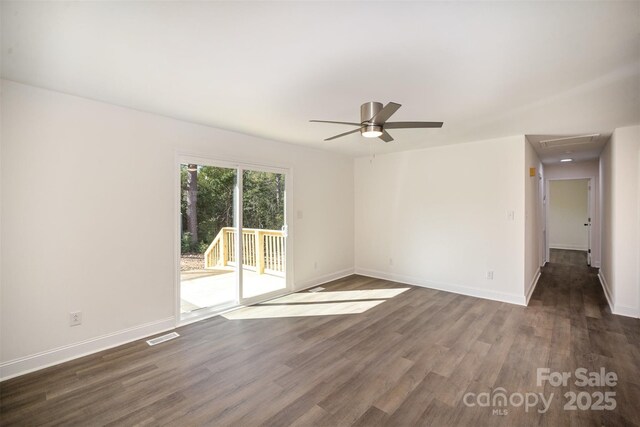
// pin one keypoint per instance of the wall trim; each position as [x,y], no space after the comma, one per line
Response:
[605,288]
[568,247]
[45,359]
[447,287]
[321,280]
[623,310]
[533,284]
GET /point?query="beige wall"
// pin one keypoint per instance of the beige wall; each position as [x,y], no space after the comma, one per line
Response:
[568,212]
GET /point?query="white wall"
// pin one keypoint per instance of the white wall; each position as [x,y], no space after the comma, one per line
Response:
[583,170]
[568,212]
[439,217]
[620,173]
[88,218]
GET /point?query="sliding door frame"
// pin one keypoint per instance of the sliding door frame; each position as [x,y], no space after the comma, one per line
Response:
[240,167]
[240,187]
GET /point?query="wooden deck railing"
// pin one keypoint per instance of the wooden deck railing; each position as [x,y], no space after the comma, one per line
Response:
[262,250]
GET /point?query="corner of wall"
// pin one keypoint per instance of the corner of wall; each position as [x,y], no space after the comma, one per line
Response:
[620,188]
[532,211]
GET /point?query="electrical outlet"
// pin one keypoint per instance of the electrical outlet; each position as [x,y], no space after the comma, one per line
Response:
[75,318]
[390,261]
[315,265]
[490,274]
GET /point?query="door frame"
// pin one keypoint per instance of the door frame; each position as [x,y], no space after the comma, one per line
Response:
[287,220]
[591,208]
[185,158]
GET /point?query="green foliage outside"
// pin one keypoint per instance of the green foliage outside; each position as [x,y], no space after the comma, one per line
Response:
[263,203]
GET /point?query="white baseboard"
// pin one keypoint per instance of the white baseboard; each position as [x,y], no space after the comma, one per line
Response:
[316,281]
[569,247]
[533,284]
[605,288]
[35,362]
[621,310]
[456,289]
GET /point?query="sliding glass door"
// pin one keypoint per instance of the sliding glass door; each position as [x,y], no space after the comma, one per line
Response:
[233,236]
[264,234]
[208,276]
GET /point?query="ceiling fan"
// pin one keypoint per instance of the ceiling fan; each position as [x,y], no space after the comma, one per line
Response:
[373,122]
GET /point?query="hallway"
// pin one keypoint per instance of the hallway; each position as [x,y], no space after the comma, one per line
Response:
[570,299]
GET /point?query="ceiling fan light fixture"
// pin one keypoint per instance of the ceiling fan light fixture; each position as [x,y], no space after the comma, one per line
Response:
[371,131]
[374,122]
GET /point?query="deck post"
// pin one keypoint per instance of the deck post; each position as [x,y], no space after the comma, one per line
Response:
[259,252]
[224,256]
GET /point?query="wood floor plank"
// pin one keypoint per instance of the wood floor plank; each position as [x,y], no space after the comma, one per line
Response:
[408,360]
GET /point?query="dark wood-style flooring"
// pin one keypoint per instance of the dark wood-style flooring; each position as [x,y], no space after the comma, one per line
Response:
[406,360]
[564,256]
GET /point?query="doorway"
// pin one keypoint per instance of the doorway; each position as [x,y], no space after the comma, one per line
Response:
[569,221]
[233,236]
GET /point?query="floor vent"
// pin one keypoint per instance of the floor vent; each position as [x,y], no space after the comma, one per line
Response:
[318,289]
[163,338]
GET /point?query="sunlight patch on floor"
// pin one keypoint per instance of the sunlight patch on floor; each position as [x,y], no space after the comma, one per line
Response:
[301,310]
[303,304]
[328,296]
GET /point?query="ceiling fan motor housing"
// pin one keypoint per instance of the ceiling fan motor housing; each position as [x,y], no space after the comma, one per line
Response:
[368,110]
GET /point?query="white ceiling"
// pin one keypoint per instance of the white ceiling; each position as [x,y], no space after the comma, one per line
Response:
[265,68]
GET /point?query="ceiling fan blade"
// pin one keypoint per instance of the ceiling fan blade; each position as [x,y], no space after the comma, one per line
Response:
[385,137]
[338,123]
[344,134]
[412,125]
[384,114]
